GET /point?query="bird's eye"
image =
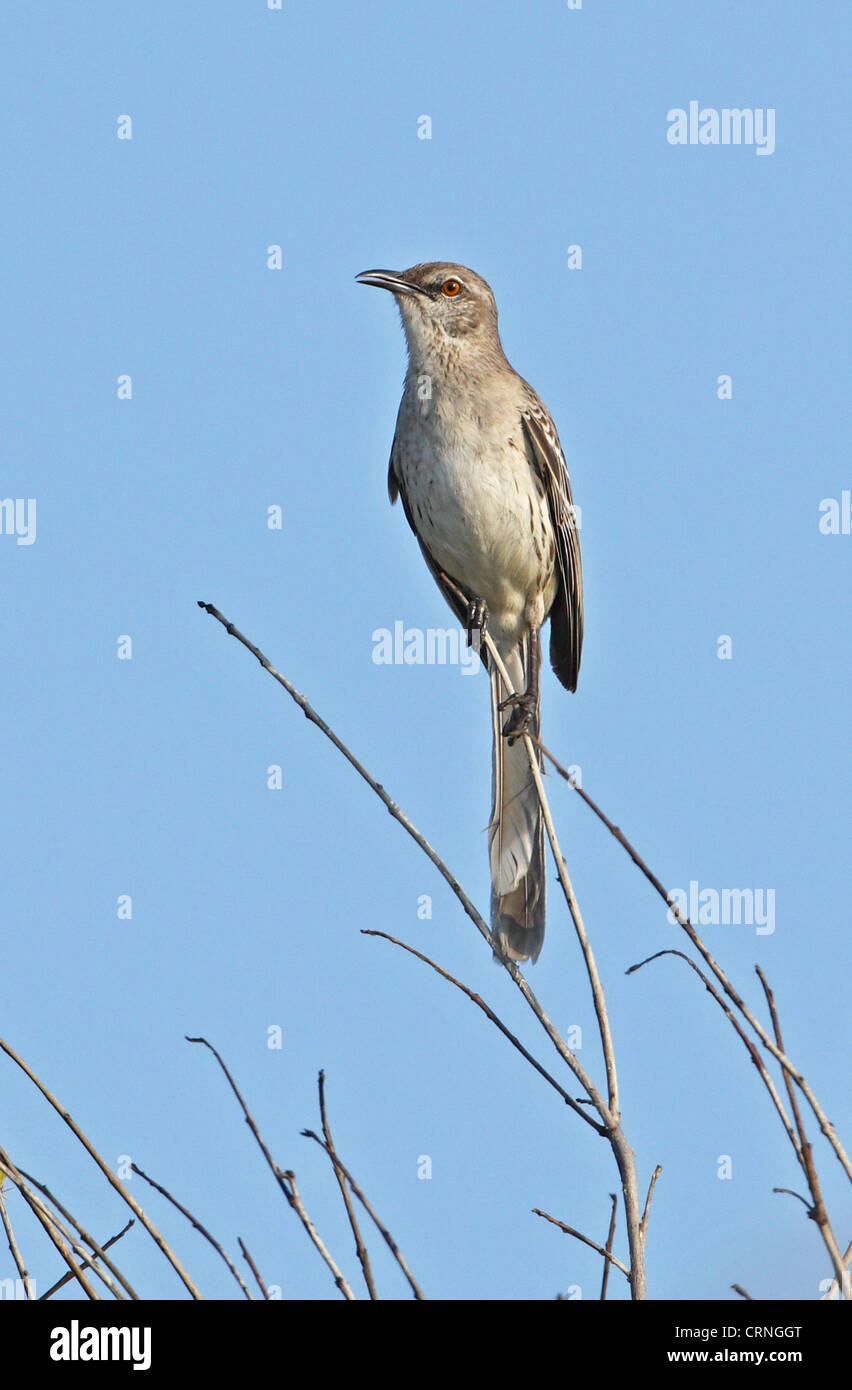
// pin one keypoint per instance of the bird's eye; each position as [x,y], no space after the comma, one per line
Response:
[451,288]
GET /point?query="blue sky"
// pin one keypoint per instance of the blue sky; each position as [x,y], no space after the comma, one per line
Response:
[254,388]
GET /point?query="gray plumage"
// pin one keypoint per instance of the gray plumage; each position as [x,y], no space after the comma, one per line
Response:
[477,462]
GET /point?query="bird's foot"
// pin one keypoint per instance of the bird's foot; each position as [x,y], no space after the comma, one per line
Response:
[476,621]
[522,717]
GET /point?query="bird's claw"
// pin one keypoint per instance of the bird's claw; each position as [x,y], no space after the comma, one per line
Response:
[521,718]
[476,621]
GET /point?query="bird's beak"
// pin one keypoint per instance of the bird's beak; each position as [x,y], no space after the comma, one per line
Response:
[389,280]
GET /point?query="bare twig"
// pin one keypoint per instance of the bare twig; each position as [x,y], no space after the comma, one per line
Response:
[99,1251]
[561,1047]
[489,1013]
[52,1227]
[613,1196]
[291,1192]
[643,1225]
[386,1235]
[623,1153]
[60,1283]
[799,1141]
[286,1180]
[198,1226]
[742,1293]
[825,1124]
[253,1267]
[13,1246]
[741,1034]
[54,1234]
[578,1235]
[107,1171]
[360,1247]
[788,1192]
[402,819]
[817,1211]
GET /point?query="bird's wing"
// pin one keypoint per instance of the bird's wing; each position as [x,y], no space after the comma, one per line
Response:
[566,615]
[395,490]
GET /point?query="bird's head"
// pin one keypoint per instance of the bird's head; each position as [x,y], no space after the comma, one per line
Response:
[439,300]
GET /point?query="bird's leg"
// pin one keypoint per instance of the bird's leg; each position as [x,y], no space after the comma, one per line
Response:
[476,611]
[524,704]
[476,622]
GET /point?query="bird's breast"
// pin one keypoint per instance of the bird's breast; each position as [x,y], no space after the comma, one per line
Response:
[478,506]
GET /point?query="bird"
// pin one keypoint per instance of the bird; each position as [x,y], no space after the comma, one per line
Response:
[477,464]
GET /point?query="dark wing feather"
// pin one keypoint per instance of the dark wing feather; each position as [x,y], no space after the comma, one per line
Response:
[566,615]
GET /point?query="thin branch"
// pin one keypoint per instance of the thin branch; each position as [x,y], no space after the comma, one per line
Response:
[13,1246]
[253,1267]
[825,1124]
[788,1192]
[578,1235]
[106,1170]
[585,945]
[60,1283]
[84,1234]
[286,1180]
[742,1293]
[512,970]
[643,1225]
[388,1238]
[50,1225]
[291,1192]
[360,1247]
[53,1233]
[613,1196]
[741,1034]
[622,1151]
[817,1210]
[489,1013]
[198,1226]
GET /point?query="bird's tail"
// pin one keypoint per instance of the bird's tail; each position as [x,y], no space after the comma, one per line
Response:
[516,832]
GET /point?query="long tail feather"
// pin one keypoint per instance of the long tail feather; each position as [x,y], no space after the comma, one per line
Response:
[516,831]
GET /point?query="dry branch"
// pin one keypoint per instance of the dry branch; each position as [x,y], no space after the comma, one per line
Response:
[285,1180]
[578,1235]
[780,1056]
[610,1237]
[385,1233]
[253,1267]
[107,1171]
[816,1211]
[643,1225]
[607,1109]
[99,1251]
[66,1278]
[360,1247]
[489,1013]
[13,1244]
[223,1254]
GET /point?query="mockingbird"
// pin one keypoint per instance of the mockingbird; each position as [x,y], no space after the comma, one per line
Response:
[478,464]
